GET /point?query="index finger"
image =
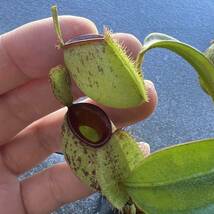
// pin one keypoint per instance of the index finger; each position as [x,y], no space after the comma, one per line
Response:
[29,52]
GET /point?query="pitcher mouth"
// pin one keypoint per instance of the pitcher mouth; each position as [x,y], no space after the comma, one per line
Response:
[82,39]
[90,124]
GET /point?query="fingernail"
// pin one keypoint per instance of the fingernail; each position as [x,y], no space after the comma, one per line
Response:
[145,148]
[150,84]
[81,100]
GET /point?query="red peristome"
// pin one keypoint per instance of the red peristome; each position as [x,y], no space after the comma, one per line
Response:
[88,114]
[87,38]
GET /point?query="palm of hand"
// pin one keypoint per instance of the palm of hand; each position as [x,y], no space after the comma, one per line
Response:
[10,190]
[29,133]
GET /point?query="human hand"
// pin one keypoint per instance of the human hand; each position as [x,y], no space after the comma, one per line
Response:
[30,119]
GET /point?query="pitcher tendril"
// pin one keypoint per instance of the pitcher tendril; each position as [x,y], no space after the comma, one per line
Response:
[57,26]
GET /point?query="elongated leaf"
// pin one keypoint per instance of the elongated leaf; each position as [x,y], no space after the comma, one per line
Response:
[197,59]
[176,180]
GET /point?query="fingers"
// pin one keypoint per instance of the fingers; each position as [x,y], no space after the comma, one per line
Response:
[133,45]
[18,108]
[34,144]
[25,104]
[43,137]
[22,106]
[125,117]
[48,190]
[29,52]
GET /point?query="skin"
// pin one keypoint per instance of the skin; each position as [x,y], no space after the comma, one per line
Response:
[29,133]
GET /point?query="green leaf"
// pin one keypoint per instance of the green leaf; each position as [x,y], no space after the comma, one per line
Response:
[176,180]
[197,59]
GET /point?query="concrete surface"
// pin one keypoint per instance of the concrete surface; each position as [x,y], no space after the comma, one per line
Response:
[184,112]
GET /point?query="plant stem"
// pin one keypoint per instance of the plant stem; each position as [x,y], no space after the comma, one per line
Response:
[57,26]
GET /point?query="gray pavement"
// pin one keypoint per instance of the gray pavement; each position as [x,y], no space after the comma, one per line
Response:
[184,112]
